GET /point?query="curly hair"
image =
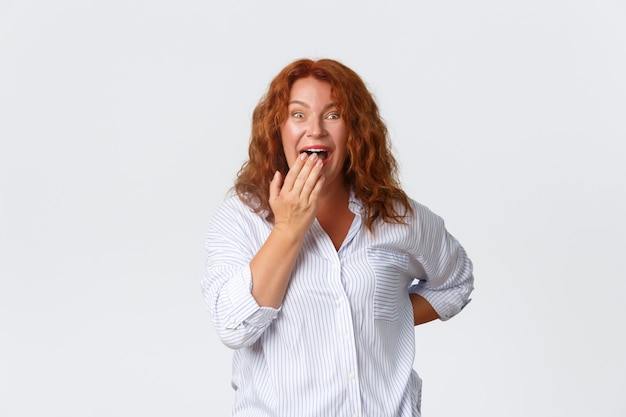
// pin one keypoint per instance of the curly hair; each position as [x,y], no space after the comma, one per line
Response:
[370,169]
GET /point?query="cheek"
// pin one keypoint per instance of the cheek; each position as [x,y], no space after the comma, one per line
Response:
[342,139]
[289,143]
[290,132]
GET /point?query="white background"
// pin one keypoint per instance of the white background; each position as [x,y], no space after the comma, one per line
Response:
[123,124]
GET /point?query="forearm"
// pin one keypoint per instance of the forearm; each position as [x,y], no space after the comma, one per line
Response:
[294,204]
[272,265]
[423,312]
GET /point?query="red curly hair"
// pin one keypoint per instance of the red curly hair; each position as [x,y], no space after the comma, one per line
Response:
[370,169]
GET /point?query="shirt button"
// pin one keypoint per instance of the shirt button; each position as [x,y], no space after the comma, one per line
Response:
[350,375]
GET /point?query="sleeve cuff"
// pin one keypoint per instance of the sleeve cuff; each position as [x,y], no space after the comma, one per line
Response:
[244,306]
[447,304]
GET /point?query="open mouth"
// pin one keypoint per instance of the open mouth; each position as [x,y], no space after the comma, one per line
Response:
[321,153]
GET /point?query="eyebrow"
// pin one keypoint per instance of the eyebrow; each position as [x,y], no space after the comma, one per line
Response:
[302,103]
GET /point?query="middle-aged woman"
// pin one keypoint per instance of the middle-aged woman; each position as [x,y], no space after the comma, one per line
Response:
[320,265]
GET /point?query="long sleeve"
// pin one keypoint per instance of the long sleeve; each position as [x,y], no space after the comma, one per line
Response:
[233,237]
[446,273]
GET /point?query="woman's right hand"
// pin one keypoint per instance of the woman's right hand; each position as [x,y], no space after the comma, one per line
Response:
[294,201]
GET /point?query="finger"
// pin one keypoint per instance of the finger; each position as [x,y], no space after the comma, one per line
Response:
[317,190]
[275,185]
[293,172]
[311,180]
[305,173]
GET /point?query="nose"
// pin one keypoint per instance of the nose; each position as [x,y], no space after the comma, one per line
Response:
[315,128]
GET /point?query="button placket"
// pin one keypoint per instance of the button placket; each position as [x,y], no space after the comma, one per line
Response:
[345,325]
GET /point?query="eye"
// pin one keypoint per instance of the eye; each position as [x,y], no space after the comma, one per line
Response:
[297,115]
[333,116]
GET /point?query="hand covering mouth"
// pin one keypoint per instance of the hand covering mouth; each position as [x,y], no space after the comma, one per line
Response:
[321,153]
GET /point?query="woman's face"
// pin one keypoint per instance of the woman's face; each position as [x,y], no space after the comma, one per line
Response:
[314,124]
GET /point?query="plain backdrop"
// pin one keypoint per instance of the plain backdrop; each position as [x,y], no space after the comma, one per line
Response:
[122,127]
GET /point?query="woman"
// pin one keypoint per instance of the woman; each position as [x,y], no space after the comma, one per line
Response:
[320,266]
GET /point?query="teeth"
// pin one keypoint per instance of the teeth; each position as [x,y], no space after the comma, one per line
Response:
[321,153]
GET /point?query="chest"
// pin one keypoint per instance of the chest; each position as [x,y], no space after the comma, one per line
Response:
[372,281]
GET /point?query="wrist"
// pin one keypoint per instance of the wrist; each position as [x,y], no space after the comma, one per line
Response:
[288,233]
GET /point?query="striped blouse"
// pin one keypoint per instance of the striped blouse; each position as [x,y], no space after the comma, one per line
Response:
[342,342]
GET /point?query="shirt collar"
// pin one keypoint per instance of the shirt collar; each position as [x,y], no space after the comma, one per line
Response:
[354,204]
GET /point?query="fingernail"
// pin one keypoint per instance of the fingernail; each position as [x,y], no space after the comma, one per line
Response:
[313,156]
[303,156]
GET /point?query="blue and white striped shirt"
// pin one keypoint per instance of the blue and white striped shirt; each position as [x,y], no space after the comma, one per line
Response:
[342,343]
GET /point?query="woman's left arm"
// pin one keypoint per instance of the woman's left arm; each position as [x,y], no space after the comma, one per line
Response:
[423,311]
[446,278]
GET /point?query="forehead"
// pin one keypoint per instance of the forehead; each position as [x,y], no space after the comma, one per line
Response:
[310,88]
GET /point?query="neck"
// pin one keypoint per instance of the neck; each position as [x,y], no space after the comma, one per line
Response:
[333,214]
[333,198]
